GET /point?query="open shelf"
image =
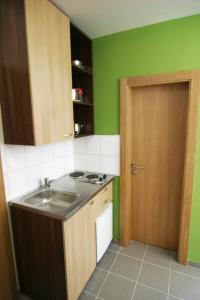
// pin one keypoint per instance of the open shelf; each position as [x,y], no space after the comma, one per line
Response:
[82,103]
[84,81]
[81,49]
[83,115]
[82,135]
[81,70]
[81,46]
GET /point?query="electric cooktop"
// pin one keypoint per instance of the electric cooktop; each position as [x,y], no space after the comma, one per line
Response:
[89,177]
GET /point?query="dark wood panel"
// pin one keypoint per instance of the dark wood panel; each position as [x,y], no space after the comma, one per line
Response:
[15,92]
[84,81]
[81,49]
[8,288]
[81,46]
[40,257]
[84,115]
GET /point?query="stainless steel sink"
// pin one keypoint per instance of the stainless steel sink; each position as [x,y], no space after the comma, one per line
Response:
[52,199]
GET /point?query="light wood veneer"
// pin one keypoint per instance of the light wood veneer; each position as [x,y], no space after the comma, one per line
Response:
[79,236]
[35,78]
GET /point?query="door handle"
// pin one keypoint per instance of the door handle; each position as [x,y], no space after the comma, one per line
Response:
[135,166]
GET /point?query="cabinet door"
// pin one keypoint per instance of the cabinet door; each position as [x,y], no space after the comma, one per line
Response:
[8,288]
[48,41]
[80,250]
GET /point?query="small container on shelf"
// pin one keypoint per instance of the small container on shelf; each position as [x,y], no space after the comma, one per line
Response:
[77,63]
[77,94]
[78,128]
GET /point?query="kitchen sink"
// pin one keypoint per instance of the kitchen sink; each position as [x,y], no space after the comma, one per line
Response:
[52,199]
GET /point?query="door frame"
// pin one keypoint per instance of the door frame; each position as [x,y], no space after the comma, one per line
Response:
[126,86]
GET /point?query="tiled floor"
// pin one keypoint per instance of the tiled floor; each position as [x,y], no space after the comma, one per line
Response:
[142,272]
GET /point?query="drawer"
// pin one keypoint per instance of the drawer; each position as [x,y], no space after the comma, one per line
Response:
[106,194]
[100,201]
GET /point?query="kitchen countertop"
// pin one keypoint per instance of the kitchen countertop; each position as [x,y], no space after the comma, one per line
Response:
[85,190]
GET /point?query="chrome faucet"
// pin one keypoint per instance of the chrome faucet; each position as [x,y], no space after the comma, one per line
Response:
[47,183]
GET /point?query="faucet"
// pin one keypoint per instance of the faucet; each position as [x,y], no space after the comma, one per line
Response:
[47,183]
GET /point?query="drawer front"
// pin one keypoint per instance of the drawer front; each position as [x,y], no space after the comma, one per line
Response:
[100,201]
[106,194]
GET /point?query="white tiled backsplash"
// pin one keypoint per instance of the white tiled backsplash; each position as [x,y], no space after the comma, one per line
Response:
[98,153]
[25,166]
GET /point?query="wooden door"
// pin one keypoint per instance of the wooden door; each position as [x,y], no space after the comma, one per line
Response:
[159,119]
[8,289]
[49,53]
[80,250]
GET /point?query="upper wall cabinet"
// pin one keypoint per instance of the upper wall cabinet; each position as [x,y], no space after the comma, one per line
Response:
[35,73]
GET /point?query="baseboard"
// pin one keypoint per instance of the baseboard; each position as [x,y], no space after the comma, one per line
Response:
[194,264]
[115,241]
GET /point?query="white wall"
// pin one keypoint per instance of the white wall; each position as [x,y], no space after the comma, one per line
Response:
[98,153]
[25,166]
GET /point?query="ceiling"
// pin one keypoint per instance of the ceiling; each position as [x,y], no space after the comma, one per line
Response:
[102,17]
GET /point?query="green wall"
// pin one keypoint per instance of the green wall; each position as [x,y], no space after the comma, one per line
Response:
[164,47]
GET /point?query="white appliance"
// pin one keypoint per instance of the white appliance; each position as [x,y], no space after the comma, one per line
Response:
[104,230]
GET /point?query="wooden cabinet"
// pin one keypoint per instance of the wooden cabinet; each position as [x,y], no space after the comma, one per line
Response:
[8,286]
[99,202]
[38,243]
[80,250]
[79,234]
[81,50]
[55,259]
[35,78]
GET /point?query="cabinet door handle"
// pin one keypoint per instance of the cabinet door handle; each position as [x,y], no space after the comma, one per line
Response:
[69,134]
[105,201]
[105,190]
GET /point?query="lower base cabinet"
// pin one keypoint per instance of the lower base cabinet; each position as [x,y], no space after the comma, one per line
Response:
[80,250]
[39,254]
[56,259]
[80,242]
